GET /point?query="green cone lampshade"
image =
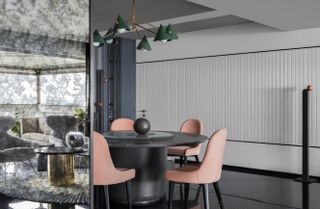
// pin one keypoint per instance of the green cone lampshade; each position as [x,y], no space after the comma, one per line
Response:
[171,33]
[121,26]
[144,44]
[109,36]
[97,39]
[161,35]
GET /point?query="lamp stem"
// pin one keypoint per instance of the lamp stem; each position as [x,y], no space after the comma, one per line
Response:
[145,28]
[133,12]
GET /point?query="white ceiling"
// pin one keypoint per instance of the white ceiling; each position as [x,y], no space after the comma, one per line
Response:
[284,15]
[69,19]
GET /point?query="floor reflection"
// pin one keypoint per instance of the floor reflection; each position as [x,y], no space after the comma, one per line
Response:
[249,191]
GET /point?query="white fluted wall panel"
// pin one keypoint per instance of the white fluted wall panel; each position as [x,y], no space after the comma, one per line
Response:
[257,96]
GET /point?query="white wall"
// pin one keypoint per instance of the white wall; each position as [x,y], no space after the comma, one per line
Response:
[155,84]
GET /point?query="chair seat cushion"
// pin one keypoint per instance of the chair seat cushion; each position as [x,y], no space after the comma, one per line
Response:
[184,150]
[185,174]
[121,175]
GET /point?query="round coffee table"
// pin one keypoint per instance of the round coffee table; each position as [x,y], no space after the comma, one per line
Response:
[148,155]
[60,164]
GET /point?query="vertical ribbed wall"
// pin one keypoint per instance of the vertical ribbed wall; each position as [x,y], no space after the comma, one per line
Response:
[257,96]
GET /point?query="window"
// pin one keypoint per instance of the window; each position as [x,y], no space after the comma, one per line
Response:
[63,89]
[18,89]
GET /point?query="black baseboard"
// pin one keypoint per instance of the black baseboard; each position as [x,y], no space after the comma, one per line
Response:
[256,171]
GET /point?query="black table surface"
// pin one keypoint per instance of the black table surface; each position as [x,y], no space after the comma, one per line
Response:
[58,150]
[152,139]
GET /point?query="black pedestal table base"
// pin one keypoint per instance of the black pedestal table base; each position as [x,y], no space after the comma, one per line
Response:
[149,184]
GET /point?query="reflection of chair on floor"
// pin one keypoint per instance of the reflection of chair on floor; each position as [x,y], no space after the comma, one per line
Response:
[13,149]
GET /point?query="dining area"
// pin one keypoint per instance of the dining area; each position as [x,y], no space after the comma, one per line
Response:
[136,171]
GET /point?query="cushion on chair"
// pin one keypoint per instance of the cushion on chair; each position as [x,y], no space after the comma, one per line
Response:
[30,125]
[185,174]
[184,150]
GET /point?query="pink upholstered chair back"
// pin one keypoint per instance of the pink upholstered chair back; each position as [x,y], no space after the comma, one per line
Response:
[211,167]
[102,161]
[122,124]
[192,126]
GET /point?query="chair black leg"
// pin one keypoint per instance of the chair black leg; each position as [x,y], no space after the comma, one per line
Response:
[171,192]
[218,193]
[185,160]
[206,195]
[186,195]
[106,196]
[197,158]
[196,199]
[32,166]
[181,161]
[128,188]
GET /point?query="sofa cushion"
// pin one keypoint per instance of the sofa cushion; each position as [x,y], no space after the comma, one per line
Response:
[30,125]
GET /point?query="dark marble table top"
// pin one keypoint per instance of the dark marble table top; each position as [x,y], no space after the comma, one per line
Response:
[58,150]
[152,139]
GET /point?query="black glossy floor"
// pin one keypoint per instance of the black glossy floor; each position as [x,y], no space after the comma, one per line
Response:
[250,191]
[239,191]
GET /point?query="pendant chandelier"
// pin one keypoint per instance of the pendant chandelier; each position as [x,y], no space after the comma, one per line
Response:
[163,34]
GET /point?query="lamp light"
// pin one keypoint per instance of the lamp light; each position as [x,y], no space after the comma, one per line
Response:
[171,33]
[121,26]
[161,35]
[144,44]
[97,39]
[109,36]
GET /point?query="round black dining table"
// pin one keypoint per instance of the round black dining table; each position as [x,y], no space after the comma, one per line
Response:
[147,154]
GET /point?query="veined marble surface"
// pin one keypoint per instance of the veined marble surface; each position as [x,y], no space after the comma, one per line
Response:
[64,19]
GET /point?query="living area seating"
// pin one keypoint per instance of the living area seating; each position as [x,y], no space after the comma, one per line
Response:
[35,129]
[14,149]
[60,126]
[106,173]
[209,171]
[192,126]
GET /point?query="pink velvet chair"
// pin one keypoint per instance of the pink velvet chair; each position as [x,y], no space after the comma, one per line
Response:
[104,171]
[122,124]
[209,171]
[192,126]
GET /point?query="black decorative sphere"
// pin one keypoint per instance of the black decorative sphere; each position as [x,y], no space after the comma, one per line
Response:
[141,126]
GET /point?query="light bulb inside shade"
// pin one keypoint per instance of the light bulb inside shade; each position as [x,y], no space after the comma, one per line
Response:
[110,41]
[96,44]
[121,30]
[164,41]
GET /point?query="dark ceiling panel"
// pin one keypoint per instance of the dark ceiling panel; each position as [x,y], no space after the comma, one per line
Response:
[105,11]
[195,25]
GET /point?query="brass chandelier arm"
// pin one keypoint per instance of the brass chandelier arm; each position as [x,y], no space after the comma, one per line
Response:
[140,37]
[145,28]
[145,22]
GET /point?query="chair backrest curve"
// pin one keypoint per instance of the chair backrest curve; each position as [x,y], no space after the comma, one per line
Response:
[211,167]
[192,126]
[122,124]
[102,161]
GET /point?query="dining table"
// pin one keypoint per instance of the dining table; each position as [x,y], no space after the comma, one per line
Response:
[147,154]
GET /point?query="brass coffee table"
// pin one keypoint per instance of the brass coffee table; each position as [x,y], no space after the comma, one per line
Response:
[60,164]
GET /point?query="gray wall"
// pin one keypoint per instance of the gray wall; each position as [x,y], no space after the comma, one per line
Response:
[257,96]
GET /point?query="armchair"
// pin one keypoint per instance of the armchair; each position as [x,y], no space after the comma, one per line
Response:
[14,149]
